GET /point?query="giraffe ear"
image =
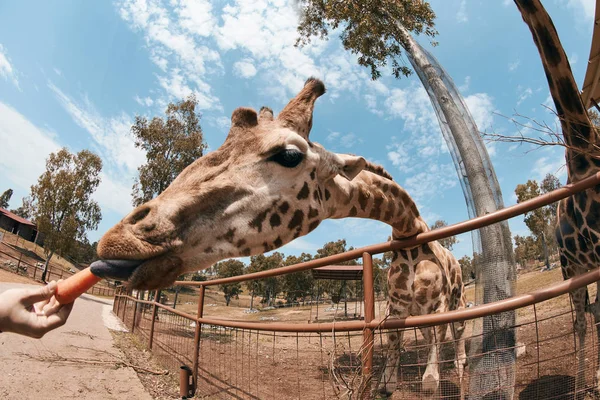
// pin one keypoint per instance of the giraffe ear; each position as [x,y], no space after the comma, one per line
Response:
[244,117]
[351,166]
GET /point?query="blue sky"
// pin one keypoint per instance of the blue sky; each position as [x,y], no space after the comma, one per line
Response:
[76,76]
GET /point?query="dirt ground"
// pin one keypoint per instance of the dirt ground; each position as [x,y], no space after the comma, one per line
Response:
[262,365]
[79,360]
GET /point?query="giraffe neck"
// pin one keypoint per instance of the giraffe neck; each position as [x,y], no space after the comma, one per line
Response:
[580,137]
[375,197]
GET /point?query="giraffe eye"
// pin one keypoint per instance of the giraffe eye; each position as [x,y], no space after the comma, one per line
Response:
[288,158]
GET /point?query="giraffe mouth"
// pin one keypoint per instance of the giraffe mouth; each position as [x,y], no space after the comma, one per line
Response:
[115,269]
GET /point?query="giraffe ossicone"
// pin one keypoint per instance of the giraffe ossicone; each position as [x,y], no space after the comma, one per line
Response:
[269,184]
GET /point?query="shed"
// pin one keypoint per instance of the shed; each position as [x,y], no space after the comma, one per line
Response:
[20,226]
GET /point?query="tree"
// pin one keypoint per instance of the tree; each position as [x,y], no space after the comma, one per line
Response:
[22,211]
[527,248]
[448,242]
[267,288]
[299,284]
[377,34]
[170,145]
[226,269]
[467,267]
[5,198]
[540,221]
[334,288]
[61,203]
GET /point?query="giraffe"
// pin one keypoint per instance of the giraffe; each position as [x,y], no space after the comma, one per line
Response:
[269,184]
[578,217]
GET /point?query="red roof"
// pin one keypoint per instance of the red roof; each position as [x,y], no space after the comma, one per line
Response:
[16,217]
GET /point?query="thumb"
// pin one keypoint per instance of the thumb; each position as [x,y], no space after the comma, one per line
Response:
[32,296]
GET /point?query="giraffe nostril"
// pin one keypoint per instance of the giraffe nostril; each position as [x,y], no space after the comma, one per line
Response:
[139,215]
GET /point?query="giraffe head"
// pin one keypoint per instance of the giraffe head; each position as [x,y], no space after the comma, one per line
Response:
[265,186]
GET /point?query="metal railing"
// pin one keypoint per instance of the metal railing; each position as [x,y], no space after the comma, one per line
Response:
[130,308]
[15,261]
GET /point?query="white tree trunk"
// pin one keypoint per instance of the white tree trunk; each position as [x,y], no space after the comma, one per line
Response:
[496,271]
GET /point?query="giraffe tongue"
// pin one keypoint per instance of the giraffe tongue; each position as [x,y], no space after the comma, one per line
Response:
[115,269]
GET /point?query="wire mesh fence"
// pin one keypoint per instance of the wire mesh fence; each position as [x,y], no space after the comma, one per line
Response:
[17,260]
[234,356]
[262,364]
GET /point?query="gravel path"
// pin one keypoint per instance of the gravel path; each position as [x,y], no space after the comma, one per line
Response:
[60,365]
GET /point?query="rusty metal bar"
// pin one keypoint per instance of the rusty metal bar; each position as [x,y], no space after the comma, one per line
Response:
[197,334]
[409,322]
[451,230]
[368,337]
[154,314]
[135,307]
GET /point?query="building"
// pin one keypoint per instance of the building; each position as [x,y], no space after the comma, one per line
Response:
[20,226]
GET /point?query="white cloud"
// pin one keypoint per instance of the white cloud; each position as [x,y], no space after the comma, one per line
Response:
[144,101]
[431,182]
[6,69]
[25,147]
[582,9]
[514,65]
[414,107]
[57,71]
[222,123]
[482,109]
[465,86]
[400,157]
[244,68]
[112,135]
[549,165]
[344,141]
[524,96]
[506,3]
[573,58]
[461,15]
[177,44]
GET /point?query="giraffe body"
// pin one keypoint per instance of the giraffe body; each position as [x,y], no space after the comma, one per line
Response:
[269,184]
[578,217]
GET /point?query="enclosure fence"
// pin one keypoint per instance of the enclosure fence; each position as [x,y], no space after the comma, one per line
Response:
[322,360]
[14,260]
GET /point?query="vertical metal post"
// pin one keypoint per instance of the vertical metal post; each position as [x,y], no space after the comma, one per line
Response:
[125,293]
[197,338]
[19,263]
[368,337]
[135,307]
[154,313]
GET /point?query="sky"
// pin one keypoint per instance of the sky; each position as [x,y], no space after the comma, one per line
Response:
[78,74]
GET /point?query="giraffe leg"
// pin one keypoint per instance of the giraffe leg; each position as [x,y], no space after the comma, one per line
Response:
[389,380]
[596,312]
[458,329]
[579,299]
[433,337]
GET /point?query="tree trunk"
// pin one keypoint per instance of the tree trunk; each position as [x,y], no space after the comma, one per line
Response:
[46,265]
[545,247]
[497,266]
[252,298]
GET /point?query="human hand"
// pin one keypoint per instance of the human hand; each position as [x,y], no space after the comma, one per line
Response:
[32,312]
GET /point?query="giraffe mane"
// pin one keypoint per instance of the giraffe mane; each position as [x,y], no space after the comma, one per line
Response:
[378,170]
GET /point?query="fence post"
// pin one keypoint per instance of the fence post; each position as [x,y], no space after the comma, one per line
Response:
[154,314]
[368,336]
[34,270]
[124,304]
[135,307]
[197,337]
[19,262]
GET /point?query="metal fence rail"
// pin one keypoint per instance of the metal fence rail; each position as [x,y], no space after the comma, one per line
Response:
[15,261]
[343,361]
